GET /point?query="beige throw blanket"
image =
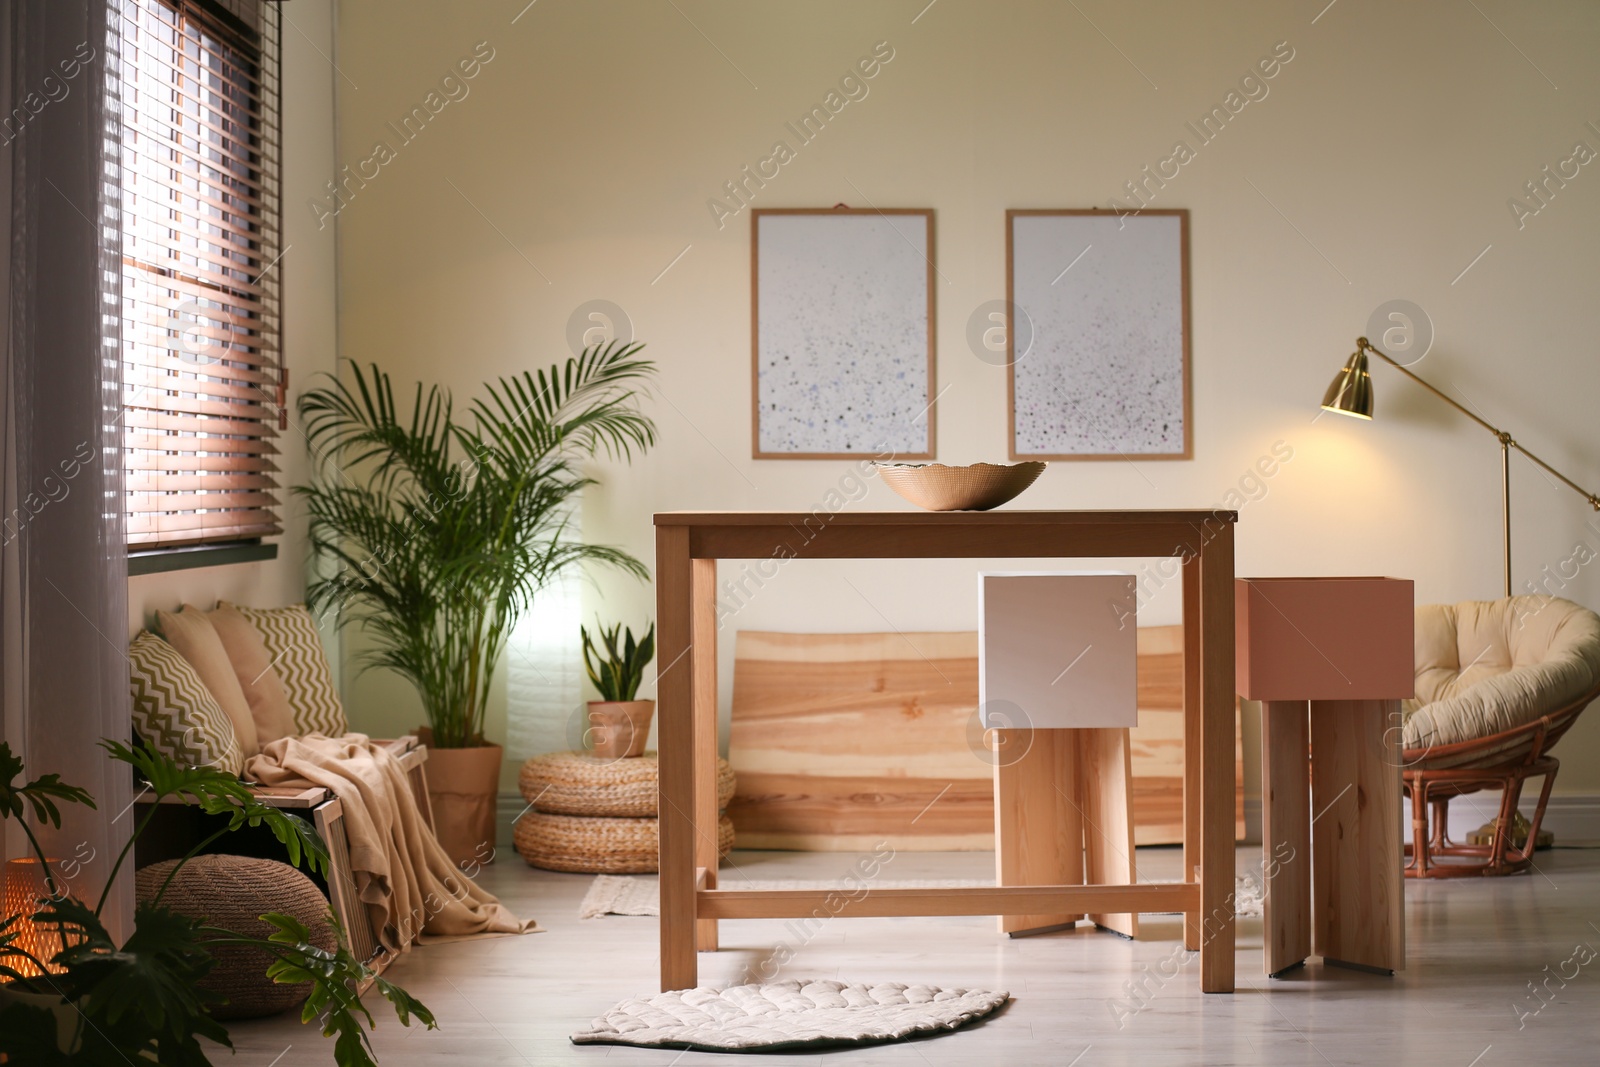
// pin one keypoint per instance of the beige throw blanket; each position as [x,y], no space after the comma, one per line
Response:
[411,889]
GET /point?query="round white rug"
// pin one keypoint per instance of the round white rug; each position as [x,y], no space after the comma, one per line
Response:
[774,1016]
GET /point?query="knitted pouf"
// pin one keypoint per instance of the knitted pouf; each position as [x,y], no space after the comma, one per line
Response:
[232,892]
[575,783]
[598,845]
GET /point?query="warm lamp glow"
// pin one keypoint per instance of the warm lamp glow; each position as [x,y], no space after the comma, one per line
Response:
[1350,393]
[24,885]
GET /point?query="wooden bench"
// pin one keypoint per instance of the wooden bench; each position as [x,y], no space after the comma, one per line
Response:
[323,809]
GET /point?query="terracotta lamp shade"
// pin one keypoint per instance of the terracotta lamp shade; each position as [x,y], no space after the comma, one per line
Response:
[1350,392]
[24,885]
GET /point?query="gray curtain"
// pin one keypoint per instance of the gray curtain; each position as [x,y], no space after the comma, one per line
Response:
[63,565]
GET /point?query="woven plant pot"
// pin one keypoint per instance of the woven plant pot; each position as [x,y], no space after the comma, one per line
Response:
[576,783]
[232,892]
[586,845]
[976,487]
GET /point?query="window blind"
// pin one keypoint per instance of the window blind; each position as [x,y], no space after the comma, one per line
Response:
[204,385]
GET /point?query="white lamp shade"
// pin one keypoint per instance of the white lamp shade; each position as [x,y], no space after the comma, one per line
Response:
[1058,649]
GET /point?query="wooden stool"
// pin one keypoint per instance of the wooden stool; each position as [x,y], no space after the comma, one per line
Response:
[1330,659]
[1058,665]
[1062,817]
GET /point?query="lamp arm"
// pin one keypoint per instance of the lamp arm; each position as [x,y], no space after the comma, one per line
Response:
[1362,342]
[1505,438]
[1594,500]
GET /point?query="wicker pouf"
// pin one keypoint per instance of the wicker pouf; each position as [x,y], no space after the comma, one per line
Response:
[596,844]
[232,892]
[575,783]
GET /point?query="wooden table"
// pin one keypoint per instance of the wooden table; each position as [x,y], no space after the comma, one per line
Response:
[1330,659]
[688,545]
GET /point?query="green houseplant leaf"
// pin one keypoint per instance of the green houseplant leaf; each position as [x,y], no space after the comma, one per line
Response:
[141,1002]
[617,672]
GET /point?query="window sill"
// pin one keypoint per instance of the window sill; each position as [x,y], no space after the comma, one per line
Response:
[182,559]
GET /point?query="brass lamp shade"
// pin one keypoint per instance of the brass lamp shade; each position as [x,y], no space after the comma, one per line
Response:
[1350,393]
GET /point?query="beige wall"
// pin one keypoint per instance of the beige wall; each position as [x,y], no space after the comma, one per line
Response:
[309,324]
[1378,166]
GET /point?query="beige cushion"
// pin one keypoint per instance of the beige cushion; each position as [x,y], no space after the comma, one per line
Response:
[1484,667]
[191,633]
[175,712]
[252,665]
[297,655]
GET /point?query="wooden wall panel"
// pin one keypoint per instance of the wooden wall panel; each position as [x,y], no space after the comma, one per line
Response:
[840,741]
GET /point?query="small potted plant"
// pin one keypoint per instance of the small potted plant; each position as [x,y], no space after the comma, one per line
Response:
[618,723]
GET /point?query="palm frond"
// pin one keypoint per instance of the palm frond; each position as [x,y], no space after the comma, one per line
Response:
[434,533]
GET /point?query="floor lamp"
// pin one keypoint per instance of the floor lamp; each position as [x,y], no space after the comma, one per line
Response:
[1351,394]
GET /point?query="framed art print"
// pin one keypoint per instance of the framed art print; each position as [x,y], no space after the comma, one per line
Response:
[1100,310]
[841,324]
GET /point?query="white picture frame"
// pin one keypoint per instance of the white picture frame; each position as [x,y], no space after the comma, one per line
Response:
[842,342]
[1098,353]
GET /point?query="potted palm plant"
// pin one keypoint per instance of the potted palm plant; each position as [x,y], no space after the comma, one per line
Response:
[619,723]
[441,530]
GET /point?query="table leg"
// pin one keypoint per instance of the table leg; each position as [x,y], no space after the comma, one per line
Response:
[1038,822]
[1105,771]
[675,705]
[1357,854]
[1285,834]
[1217,770]
[703,659]
[1191,740]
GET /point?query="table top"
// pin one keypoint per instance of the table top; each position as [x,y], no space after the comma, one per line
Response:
[941,518]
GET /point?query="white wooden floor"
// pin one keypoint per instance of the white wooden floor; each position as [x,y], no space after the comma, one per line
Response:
[1474,946]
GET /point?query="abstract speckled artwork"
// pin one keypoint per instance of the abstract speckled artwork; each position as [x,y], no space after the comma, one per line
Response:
[1106,373]
[843,353]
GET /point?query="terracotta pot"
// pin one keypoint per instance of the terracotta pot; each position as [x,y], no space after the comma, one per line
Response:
[618,728]
[463,784]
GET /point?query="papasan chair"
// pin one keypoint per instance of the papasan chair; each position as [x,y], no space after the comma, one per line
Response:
[1498,683]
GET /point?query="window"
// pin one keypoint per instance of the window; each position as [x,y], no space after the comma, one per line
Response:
[203,385]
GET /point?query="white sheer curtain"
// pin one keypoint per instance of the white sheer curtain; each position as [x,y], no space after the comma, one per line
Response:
[63,565]
[544,670]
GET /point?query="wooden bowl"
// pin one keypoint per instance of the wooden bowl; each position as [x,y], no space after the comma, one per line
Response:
[975,487]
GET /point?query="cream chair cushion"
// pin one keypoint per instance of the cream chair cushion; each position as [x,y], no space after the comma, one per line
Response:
[1486,666]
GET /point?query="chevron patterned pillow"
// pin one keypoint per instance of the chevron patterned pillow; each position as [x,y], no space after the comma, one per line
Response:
[301,664]
[175,712]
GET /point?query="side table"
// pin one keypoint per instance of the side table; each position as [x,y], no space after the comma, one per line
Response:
[1330,659]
